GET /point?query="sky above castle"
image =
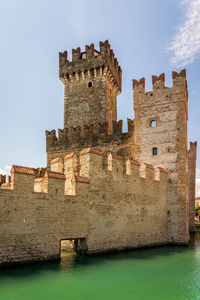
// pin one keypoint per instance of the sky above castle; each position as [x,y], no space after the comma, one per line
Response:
[148,38]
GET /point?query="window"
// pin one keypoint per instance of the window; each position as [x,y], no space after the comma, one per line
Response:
[153,123]
[90,84]
[155,151]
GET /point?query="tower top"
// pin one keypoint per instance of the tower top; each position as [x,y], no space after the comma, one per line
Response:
[90,60]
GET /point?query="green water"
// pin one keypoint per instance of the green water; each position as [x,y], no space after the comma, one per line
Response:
[145,274]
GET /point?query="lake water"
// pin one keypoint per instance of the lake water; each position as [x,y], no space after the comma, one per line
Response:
[155,273]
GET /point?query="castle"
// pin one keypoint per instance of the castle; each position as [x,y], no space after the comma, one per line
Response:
[104,189]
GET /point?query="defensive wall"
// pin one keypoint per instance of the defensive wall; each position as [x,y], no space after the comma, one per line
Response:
[91,135]
[168,108]
[111,203]
[98,189]
[192,156]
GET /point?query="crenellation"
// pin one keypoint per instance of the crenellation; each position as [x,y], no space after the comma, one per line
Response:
[102,184]
[62,134]
[104,47]
[139,86]
[63,58]
[118,127]
[2,179]
[117,164]
[76,54]
[89,51]
[158,81]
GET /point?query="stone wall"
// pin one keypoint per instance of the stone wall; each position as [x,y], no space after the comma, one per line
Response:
[94,136]
[92,82]
[34,223]
[168,108]
[127,207]
[114,207]
[192,156]
[126,210]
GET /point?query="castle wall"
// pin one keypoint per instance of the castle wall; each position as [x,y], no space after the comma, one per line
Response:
[192,156]
[168,107]
[126,210]
[112,208]
[32,224]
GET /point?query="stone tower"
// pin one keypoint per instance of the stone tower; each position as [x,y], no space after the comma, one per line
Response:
[161,139]
[192,156]
[92,82]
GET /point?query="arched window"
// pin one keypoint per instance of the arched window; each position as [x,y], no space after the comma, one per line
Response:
[90,84]
[153,123]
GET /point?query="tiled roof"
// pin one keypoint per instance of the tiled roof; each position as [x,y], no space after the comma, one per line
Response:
[162,170]
[91,150]
[117,156]
[134,162]
[82,179]
[57,175]
[70,155]
[55,160]
[25,170]
[149,166]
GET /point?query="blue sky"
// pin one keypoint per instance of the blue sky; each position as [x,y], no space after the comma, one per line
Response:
[148,37]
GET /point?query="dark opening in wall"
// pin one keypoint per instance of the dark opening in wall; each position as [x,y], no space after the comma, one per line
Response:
[153,123]
[90,84]
[155,151]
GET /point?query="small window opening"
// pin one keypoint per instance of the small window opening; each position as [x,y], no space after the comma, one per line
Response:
[90,84]
[155,151]
[153,123]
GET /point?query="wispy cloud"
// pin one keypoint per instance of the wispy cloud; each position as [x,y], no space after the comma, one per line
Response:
[185,45]
[198,183]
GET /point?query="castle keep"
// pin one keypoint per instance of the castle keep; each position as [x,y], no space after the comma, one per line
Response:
[104,189]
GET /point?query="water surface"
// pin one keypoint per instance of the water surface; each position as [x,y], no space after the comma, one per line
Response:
[146,274]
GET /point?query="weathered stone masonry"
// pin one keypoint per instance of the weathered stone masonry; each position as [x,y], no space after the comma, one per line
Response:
[103,188]
[34,223]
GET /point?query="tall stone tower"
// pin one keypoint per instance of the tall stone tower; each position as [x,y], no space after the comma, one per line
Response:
[192,157]
[92,82]
[161,139]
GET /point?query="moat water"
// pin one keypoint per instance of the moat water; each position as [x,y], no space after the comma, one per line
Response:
[146,274]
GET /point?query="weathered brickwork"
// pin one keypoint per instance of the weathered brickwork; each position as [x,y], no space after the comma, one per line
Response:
[192,156]
[168,107]
[122,203]
[104,190]
[92,82]
[33,224]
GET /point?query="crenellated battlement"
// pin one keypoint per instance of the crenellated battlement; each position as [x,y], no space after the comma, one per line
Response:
[92,160]
[160,93]
[90,64]
[87,135]
[104,188]
[159,81]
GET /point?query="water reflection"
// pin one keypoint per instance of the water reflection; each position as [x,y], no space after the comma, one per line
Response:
[195,240]
[68,261]
[158,273]
[71,262]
